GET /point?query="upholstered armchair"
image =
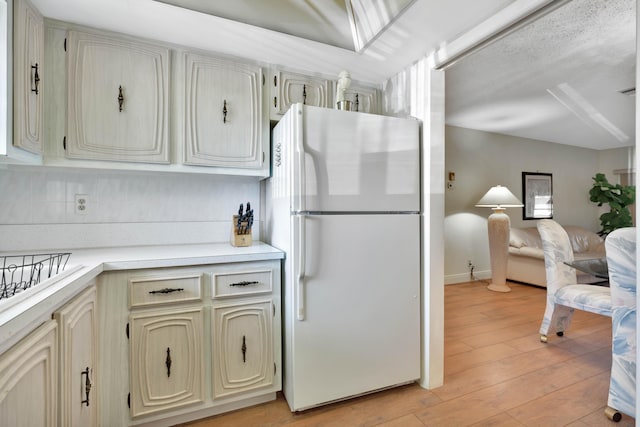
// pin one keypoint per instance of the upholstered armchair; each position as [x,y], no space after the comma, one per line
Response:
[621,259]
[564,294]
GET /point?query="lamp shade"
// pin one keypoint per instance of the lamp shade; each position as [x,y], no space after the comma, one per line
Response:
[499,197]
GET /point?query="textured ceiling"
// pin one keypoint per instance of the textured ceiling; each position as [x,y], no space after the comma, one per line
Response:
[557,79]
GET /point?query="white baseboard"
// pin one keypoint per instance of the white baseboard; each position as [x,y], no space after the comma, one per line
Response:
[466,277]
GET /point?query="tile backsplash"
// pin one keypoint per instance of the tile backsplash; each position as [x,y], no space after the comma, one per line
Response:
[122,207]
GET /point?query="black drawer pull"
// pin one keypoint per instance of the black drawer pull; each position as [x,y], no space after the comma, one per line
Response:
[166,290]
[245,283]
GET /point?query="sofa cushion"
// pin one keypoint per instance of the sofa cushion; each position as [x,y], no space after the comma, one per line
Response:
[531,252]
[584,240]
[528,236]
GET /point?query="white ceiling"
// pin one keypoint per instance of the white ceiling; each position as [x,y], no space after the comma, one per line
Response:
[423,28]
[349,24]
[581,55]
[558,79]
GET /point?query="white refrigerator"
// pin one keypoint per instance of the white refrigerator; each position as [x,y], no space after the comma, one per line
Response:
[343,202]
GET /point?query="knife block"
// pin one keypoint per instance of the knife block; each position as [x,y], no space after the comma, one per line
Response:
[237,239]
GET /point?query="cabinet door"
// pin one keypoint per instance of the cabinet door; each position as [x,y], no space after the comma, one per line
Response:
[28,55]
[290,88]
[166,360]
[77,341]
[363,99]
[242,347]
[28,380]
[118,93]
[223,113]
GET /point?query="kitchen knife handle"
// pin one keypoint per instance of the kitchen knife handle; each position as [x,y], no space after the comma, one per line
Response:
[300,309]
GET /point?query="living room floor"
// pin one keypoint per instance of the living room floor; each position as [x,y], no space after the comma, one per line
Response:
[497,373]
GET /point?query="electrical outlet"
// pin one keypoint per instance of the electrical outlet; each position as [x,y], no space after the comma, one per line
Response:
[82,204]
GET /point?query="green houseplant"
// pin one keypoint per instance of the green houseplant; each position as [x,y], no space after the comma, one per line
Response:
[618,197]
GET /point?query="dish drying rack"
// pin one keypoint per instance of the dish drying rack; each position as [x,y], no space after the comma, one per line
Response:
[21,272]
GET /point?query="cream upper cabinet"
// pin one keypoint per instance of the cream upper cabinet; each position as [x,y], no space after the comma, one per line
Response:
[77,340]
[118,97]
[363,99]
[28,61]
[29,378]
[223,121]
[289,88]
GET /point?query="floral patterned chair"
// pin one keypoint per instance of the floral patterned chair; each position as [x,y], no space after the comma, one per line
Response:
[621,259]
[564,294]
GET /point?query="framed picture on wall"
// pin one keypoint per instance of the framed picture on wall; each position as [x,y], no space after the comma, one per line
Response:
[537,192]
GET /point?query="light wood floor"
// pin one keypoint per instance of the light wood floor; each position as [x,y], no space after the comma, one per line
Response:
[497,373]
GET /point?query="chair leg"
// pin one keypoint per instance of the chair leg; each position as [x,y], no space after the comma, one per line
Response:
[612,414]
[556,317]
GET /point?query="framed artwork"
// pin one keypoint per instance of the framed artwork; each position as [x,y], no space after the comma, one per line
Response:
[537,191]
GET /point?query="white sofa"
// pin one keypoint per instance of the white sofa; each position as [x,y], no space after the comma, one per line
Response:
[526,258]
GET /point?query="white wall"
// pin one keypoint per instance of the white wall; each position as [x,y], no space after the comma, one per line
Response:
[124,208]
[418,91]
[481,160]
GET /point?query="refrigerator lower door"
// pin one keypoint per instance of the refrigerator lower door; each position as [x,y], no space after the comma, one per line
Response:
[361,295]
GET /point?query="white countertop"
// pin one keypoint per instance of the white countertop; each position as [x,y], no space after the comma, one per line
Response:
[22,313]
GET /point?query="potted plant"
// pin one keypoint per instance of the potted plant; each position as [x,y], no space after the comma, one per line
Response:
[618,197]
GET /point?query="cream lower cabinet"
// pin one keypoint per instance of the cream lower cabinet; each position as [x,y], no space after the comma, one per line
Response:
[48,378]
[243,347]
[189,342]
[29,379]
[77,349]
[166,360]
[165,344]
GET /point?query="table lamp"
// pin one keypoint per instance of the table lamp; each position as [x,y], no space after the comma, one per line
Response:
[498,198]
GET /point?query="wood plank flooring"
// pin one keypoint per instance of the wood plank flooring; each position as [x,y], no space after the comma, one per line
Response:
[497,373]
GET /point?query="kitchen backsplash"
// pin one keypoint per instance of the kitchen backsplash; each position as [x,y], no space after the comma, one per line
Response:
[121,207]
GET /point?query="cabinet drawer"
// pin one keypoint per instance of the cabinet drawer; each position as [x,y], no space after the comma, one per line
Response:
[240,283]
[145,291]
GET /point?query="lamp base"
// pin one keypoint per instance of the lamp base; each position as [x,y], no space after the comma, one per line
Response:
[498,288]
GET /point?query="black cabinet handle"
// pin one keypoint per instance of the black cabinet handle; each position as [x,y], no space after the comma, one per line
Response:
[36,78]
[167,362]
[244,349]
[166,290]
[87,386]
[245,283]
[120,99]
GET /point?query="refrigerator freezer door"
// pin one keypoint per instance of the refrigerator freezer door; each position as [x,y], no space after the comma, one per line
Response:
[361,296]
[354,162]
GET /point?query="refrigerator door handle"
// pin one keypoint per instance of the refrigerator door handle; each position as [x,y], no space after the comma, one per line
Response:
[300,181]
[300,250]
